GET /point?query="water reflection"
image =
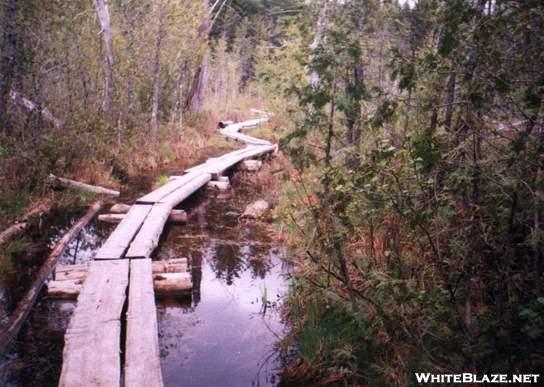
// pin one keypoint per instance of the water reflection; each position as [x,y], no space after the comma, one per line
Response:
[227,335]
[34,359]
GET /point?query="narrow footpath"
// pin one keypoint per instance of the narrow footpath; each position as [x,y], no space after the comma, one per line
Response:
[118,290]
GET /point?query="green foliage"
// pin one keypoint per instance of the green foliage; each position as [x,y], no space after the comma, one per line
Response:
[422,240]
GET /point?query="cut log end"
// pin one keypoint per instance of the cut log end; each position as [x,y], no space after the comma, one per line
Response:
[251,165]
[170,277]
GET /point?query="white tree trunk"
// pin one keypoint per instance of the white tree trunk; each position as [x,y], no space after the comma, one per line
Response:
[319,38]
[156,73]
[103,14]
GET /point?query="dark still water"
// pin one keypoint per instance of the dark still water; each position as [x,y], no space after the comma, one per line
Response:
[225,334]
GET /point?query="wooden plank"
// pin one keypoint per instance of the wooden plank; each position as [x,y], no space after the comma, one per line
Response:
[187,190]
[172,185]
[202,167]
[119,240]
[120,208]
[93,339]
[142,360]
[65,289]
[148,237]
[176,216]
[252,151]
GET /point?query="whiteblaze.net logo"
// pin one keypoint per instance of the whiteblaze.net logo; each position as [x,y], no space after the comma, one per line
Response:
[428,378]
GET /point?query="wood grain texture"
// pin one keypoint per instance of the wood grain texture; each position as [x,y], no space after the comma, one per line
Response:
[187,190]
[166,189]
[148,237]
[119,240]
[142,364]
[92,342]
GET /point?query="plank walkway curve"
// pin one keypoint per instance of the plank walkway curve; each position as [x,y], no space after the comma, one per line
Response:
[120,277]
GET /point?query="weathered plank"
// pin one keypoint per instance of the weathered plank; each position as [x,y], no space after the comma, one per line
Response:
[142,360]
[251,151]
[176,197]
[202,167]
[171,186]
[119,240]
[148,237]
[120,208]
[66,289]
[92,340]
[233,131]
[175,216]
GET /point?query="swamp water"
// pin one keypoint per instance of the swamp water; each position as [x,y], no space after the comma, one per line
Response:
[225,334]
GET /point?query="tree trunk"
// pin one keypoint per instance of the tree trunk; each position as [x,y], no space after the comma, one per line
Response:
[319,37]
[26,304]
[157,73]
[177,115]
[8,50]
[450,99]
[130,14]
[103,14]
[195,101]
[195,98]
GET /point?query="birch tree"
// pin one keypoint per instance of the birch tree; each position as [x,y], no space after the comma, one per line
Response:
[102,11]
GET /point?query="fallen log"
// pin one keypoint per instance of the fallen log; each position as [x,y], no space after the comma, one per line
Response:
[251,165]
[219,185]
[67,183]
[67,289]
[69,279]
[176,216]
[32,107]
[255,210]
[120,208]
[23,222]
[25,305]
[171,284]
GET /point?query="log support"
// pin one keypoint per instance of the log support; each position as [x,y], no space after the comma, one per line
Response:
[69,279]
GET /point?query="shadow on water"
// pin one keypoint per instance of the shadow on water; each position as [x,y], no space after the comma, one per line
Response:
[225,334]
[35,357]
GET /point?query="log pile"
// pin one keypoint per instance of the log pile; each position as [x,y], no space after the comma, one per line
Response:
[170,277]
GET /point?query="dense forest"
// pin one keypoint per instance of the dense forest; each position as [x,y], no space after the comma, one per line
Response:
[411,166]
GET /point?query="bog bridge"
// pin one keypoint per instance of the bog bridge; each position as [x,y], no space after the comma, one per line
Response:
[118,289]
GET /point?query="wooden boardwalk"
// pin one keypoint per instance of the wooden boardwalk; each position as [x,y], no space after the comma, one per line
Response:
[119,283]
